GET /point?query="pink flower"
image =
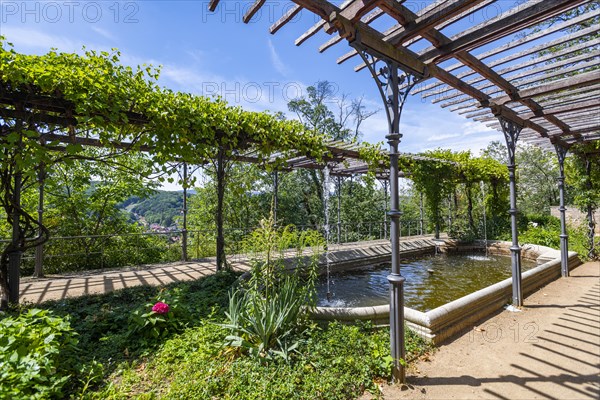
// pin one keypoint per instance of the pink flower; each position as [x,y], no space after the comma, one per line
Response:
[161,308]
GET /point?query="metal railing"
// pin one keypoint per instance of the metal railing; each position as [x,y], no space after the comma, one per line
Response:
[78,253]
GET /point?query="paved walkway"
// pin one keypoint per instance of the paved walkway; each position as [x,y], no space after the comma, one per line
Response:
[59,287]
[550,350]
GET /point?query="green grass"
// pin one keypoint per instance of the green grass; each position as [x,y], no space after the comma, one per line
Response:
[332,362]
[335,362]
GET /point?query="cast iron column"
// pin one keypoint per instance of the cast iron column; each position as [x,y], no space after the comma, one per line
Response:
[449,213]
[221,259]
[421,213]
[590,210]
[395,278]
[339,209]
[561,153]
[184,231]
[388,82]
[385,222]
[38,271]
[511,133]
[14,257]
[275,196]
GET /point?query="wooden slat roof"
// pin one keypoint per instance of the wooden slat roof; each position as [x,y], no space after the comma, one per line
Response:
[499,67]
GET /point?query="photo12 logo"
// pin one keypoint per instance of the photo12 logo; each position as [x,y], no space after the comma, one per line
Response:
[53,12]
[260,92]
[230,11]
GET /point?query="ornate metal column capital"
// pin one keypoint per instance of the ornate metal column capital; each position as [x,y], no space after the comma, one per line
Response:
[561,153]
[511,132]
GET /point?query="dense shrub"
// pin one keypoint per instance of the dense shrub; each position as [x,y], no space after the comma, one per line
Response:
[333,362]
[37,355]
[549,235]
[84,254]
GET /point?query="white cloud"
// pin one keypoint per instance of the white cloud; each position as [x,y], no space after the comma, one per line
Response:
[34,39]
[473,127]
[276,60]
[473,143]
[197,55]
[190,80]
[104,33]
[439,138]
[442,137]
[31,40]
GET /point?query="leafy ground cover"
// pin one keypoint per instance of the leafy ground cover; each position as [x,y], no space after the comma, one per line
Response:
[117,348]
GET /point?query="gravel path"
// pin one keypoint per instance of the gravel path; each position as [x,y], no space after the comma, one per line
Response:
[550,350]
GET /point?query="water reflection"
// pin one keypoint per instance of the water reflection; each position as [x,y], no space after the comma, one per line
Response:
[430,281]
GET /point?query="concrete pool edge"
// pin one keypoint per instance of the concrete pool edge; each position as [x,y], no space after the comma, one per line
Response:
[447,320]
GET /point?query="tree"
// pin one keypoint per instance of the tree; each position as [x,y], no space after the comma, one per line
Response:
[246,197]
[314,113]
[537,170]
[583,174]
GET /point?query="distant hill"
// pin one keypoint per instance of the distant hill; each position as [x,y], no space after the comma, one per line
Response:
[161,208]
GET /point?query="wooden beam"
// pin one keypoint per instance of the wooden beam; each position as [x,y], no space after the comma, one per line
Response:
[571,107]
[321,8]
[92,142]
[287,17]
[550,100]
[456,83]
[33,117]
[518,18]
[429,19]
[398,29]
[526,83]
[582,80]
[536,74]
[506,112]
[371,39]
[355,10]
[528,63]
[212,5]
[316,27]
[439,40]
[524,40]
[337,38]
[54,105]
[362,35]
[253,10]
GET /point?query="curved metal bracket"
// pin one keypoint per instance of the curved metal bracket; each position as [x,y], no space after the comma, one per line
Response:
[511,132]
[393,87]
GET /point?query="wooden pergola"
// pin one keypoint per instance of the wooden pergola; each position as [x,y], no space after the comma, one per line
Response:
[525,91]
[528,69]
[59,127]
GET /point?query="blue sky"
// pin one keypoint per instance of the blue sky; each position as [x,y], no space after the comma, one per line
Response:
[215,53]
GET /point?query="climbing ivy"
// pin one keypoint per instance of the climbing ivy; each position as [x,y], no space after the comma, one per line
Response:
[92,95]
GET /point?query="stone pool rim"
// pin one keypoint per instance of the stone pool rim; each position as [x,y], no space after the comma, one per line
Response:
[447,320]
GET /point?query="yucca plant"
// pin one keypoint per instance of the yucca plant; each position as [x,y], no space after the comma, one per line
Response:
[264,315]
[261,326]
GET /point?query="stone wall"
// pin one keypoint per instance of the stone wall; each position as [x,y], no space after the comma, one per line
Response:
[576,217]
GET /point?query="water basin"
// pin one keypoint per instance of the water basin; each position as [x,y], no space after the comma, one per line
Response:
[431,281]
